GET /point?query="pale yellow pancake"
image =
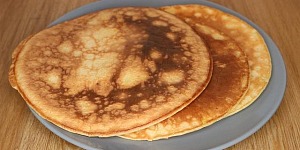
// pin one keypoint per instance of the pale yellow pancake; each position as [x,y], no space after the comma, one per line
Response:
[228,84]
[247,38]
[111,72]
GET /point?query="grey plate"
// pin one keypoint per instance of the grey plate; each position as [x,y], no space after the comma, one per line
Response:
[220,135]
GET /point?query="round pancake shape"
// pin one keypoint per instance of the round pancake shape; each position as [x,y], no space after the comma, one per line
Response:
[247,38]
[111,72]
[228,84]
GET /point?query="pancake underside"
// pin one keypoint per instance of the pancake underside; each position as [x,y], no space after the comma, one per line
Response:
[95,75]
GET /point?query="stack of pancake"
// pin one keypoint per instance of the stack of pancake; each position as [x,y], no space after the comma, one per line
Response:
[142,73]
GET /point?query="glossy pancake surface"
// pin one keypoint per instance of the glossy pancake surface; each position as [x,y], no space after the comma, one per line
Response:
[247,38]
[111,72]
[228,84]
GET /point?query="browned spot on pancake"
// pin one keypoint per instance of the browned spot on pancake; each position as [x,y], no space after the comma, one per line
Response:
[160,98]
[144,104]
[155,54]
[159,23]
[132,74]
[85,107]
[65,47]
[134,108]
[171,36]
[151,65]
[172,89]
[173,77]
[115,106]
[122,96]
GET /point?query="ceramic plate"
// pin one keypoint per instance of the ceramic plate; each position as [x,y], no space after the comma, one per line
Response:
[220,135]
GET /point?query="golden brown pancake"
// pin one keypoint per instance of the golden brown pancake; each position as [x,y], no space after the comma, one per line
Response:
[111,72]
[228,84]
[247,38]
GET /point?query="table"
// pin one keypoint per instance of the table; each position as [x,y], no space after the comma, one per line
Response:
[18,19]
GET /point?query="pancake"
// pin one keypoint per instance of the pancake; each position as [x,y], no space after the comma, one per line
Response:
[228,84]
[247,38]
[111,72]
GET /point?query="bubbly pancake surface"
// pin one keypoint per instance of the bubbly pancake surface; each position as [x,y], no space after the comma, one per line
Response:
[111,72]
[247,38]
[228,84]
